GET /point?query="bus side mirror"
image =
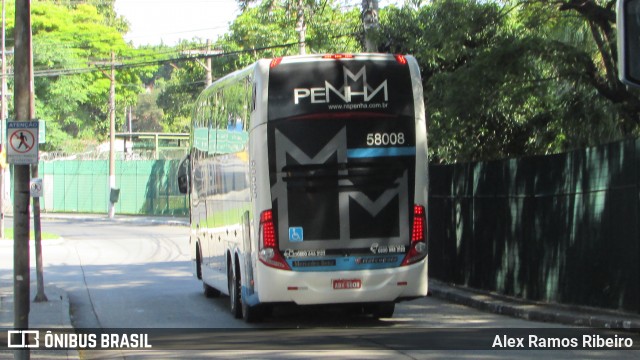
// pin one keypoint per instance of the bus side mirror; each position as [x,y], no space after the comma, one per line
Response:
[183,175]
[628,24]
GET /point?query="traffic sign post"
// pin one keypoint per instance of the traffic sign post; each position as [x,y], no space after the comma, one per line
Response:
[22,142]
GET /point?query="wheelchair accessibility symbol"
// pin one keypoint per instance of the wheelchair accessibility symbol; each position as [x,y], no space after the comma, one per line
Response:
[296,234]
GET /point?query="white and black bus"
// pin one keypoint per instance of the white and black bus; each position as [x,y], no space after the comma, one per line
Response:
[307,178]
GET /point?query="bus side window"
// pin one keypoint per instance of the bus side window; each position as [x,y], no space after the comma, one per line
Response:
[212,118]
[184,183]
[249,102]
[254,95]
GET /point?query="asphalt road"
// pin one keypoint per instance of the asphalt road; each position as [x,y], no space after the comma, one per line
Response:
[133,275]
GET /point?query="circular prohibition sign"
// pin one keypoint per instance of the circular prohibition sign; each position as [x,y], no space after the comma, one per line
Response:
[22,141]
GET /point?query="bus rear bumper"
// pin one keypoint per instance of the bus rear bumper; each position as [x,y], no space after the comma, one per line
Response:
[308,288]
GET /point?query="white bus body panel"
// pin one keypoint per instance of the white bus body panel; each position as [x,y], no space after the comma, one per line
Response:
[317,287]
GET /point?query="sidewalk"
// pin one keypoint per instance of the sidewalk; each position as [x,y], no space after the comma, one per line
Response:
[160,220]
[55,313]
[43,315]
[535,311]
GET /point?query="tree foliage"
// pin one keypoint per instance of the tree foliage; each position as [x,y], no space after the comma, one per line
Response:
[72,45]
[264,30]
[501,78]
[178,94]
[504,79]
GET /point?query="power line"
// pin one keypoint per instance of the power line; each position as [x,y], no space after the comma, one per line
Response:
[76,71]
[176,32]
[131,65]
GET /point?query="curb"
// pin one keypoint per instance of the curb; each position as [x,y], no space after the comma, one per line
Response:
[9,242]
[171,221]
[535,311]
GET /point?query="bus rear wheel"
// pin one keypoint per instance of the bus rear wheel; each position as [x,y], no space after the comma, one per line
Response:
[198,263]
[234,292]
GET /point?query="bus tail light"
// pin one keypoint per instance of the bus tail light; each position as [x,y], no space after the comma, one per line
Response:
[275,62]
[401,59]
[269,253]
[418,247]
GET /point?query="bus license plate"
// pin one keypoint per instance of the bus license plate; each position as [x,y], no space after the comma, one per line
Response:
[341,284]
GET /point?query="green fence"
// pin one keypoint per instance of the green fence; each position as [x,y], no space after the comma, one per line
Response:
[562,228]
[146,187]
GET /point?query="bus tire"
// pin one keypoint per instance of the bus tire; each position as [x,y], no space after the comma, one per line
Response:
[198,263]
[381,310]
[251,314]
[209,291]
[234,290]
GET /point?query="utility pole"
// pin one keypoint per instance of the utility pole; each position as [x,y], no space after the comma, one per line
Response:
[112,130]
[37,228]
[3,114]
[37,233]
[207,53]
[301,28]
[23,100]
[209,77]
[112,137]
[370,23]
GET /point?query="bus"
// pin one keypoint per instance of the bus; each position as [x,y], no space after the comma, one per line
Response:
[307,178]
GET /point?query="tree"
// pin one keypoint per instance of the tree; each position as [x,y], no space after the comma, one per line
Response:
[501,81]
[179,93]
[270,29]
[266,30]
[600,18]
[106,8]
[148,115]
[70,94]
